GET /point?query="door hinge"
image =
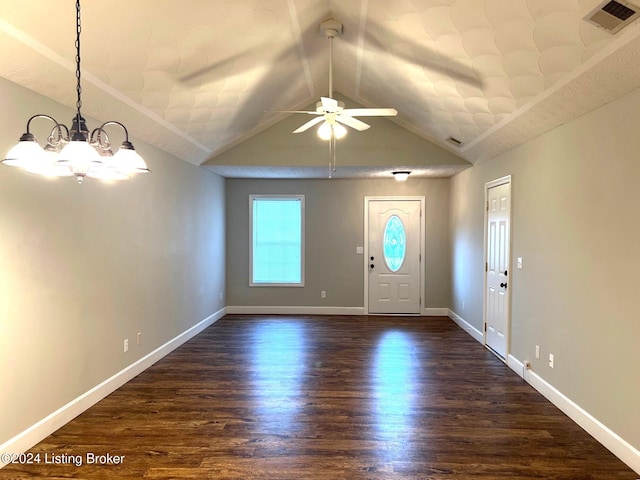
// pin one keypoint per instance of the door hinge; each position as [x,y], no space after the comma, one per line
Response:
[486,266]
[485,326]
[487,206]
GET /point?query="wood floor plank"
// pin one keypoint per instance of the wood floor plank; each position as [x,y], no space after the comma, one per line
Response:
[327,397]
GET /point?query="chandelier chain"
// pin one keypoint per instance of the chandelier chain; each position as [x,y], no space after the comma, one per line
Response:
[78,74]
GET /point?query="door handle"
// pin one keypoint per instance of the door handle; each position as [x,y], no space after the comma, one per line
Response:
[371,266]
[505,273]
[503,285]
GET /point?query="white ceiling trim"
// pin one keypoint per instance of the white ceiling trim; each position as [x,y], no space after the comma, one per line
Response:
[46,52]
[35,45]
[630,34]
[295,23]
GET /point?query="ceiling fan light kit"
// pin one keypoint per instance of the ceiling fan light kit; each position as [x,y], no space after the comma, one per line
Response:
[75,152]
[325,130]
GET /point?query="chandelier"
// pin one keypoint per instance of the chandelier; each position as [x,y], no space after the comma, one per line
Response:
[74,151]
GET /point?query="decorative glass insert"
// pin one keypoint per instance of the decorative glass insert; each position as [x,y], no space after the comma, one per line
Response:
[394,243]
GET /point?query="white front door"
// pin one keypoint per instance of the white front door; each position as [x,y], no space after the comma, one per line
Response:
[393,256]
[497,267]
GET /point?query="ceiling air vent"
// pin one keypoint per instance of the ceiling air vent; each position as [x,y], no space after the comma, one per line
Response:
[455,141]
[612,16]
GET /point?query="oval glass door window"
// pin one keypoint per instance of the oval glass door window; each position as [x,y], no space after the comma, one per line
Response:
[394,247]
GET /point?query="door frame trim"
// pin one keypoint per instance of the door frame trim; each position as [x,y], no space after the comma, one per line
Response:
[423,257]
[507,179]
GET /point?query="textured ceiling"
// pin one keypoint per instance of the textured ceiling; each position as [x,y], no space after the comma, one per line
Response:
[196,77]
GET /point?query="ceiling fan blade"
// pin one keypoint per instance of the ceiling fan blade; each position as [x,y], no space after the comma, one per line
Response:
[293,111]
[352,122]
[329,104]
[370,112]
[309,124]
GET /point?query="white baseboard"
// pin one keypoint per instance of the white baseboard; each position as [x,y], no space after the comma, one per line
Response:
[306,310]
[516,365]
[435,312]
[608,438]
[611,440]
[467,327]
[603,434]
[45,427]
[294,310]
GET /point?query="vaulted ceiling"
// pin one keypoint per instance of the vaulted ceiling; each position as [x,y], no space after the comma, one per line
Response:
[200,78]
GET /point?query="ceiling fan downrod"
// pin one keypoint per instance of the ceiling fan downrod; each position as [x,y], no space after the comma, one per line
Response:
[331,28]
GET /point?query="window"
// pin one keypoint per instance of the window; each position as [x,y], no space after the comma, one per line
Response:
[277,240]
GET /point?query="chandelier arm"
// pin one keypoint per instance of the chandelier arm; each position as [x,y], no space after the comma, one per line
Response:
[58,128]
[113,122]
[56,137]
[98,133]
[100,138]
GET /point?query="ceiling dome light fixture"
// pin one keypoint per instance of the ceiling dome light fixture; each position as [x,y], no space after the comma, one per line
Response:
[401,176]
[75,152]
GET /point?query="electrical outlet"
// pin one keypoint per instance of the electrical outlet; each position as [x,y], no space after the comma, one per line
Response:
[126,345]
[551,360]
[139,338]
[538,352]
[220,295]
[323,294]
[464,304]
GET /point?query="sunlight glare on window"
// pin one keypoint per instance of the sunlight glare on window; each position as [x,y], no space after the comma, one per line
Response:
[277,240]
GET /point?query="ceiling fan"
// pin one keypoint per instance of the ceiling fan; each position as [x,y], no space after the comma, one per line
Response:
[330,112]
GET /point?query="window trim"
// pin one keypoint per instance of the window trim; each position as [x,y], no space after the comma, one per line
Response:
[299,197]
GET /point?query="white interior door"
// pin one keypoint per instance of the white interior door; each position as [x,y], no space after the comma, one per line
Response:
[497,268]
[394,256]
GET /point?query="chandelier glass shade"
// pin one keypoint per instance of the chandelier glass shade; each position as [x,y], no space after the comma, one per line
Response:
[75,151]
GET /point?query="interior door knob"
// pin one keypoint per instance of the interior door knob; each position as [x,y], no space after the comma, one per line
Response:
[371,266]
[503,285]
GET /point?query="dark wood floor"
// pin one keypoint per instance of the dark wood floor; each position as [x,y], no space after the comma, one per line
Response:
[264,397]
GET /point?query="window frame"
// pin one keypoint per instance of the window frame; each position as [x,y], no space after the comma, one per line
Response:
[298,197]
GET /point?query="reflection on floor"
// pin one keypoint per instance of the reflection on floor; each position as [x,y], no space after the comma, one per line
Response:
[319,398]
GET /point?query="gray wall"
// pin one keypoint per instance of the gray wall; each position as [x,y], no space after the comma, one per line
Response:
[82,267]
[576,224]
[334,228]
